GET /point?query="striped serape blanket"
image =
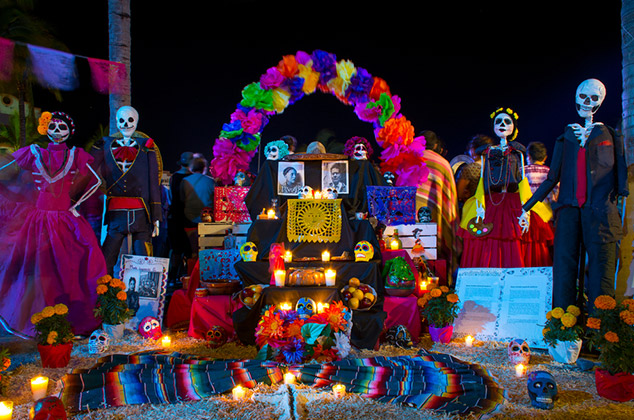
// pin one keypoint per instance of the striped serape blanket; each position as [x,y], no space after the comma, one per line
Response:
[424,381]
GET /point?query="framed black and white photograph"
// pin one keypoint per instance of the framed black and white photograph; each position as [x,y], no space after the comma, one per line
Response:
[334,174]
[146,281]
[290,178]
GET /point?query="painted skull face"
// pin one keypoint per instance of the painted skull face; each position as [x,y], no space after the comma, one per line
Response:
[248,251]
[305,193]
[273,153]
[503,125]
[390,178]
[98,342]
[399,336]
[150,327]
[360,152]
[58,130]
[240,180]
[542,389]
[127,121]
[519,352]
[589,97]
[363,251]
[216,337]
[424,215]
[330,193]
[305,307]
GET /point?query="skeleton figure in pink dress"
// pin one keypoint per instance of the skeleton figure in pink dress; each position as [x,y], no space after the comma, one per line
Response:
[48,252]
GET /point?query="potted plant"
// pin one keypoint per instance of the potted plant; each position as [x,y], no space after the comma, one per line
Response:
[563,334]
[54,335]
[611,331]
[399,279]
[5,362]
[112,305]
[439,307]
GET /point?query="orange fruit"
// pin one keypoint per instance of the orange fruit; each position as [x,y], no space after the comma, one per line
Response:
[358,294]
[353,303]
[369,296]
[354,282]
[352,289]
[257,289]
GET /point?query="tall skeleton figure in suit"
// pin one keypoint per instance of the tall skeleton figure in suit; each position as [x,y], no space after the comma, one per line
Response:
[589,163]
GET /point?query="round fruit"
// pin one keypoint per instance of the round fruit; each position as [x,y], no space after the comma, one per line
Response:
[364,288]
[256,297]
[248,301]
[257,289]
[354,282]
[365,303]
[352,289]
[249,292]
[347,295]
[353,303]
[369,296]
[358,294]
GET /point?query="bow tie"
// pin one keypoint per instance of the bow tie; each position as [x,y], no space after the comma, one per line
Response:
[127,153]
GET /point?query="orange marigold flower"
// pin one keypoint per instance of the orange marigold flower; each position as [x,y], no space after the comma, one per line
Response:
[605,302]
[557,313]
[627,317]
[52,336]
[594,323]
[48,312]
[612,337]
[629,303]
[452,297]
[35,318]
[60,309]
[122,295]
[444,289]
[421,302]
[545,330]
[435,292]
[101,289]
[105,279]
[573,310]
[569,320]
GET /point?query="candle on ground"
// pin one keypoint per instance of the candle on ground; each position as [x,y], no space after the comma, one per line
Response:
[166,341]
[520,370]
[39,387]
[289,378]
[469,341]
[238,392]
[6,410]
[339,390]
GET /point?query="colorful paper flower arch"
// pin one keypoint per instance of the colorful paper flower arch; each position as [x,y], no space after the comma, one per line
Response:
[296,76]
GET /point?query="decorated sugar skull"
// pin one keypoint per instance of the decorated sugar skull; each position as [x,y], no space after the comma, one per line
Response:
[127,121]
[330,193]
[424,215]
[98,342]
[589,97]
[249,251]
[150,327]
[49,408]
[306,192]
[399,336]
[390,178]
[519,352]
[216,336]
[505,124]
[58,126]
[276,150]
[206,215]
[305,307]
[358,148]
[542,389]
[241,179]
[363,251]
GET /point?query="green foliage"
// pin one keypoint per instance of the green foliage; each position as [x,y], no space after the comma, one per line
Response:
[439,306]
[112,304]
[10,133]
[5,362]
[52,326]
[562,326]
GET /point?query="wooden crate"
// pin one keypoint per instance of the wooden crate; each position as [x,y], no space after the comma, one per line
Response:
[212,235]
[426,232]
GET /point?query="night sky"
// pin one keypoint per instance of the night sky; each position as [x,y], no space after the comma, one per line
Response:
[451,66]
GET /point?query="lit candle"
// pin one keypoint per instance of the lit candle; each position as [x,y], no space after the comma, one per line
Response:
[6,410]
[331,276]
[270,214]
[39,387]
[166,341]
[288,257]
[520,370]
[339,390]
[238,393]
[263,214]
[321,307]
[280,276]
[423,286]
[286,306]
[469,341]
[325,256]
[289,378]
[393,245]
[317,195]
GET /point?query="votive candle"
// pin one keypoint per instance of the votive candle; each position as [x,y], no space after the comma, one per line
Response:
[468,341]
[325,256]
[238,393]
[280,276]
[317,195]
[321,307]
[289,378]
[6,410]
[166,341]
[331,277]
[393,245]
[288,257]
[270,214]
[286,306]
[339,390]
[39,387]
[520,370]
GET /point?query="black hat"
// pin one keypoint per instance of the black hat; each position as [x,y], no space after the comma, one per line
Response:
[186,158]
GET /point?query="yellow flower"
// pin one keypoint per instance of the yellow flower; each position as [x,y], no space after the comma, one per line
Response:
[122,295]
[569,320]
[573,310]
[422,302]
[612,337]
[35,318]
[48,312]
[557,313]
[101,289]
[60,309]
[52,336]
[435,292]
[594,323]
[605,302]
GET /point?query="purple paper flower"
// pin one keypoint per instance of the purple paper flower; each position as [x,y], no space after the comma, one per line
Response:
[271,79]
[360,86]
[293,351]
[294,87]
[325,64]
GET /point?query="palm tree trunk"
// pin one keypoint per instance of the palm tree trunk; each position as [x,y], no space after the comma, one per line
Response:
[119,51]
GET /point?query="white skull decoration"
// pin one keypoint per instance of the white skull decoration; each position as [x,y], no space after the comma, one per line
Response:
[360,152]
[519,352]
[589,97]
[58,130]
[276,150]
[306,192]
[330,193]
[98,342]
[127,121]
[150,327]
[503,125]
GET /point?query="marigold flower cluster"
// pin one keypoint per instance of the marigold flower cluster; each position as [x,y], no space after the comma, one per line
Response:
[562,325]
[52,326]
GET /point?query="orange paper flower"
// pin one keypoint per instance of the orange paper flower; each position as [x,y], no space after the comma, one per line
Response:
[288,66]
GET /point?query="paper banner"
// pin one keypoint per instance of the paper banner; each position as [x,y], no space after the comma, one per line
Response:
[6,58]
[108,76]
[53,69]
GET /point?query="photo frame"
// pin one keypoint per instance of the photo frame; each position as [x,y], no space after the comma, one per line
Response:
[290,178]
[146,282]
[334,174]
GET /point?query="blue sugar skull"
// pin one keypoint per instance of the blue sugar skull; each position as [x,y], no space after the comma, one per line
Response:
[305,307]
[542,389]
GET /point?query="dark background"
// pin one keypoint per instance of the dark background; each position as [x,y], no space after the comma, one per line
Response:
[451,65]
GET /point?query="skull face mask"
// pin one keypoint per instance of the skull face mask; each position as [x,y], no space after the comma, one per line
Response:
[589,97]
[360,152]
[150,327]
[248,251]
[424,215]
[58,131]
[216,337]
[305,307]
[276,150]
[542,389]
[503,125]
[305,193]
[389,178]
[127,121]
[99,342]
[399,336]
[519,352]
[363,251]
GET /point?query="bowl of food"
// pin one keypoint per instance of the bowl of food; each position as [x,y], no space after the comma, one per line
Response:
[226,287]
[250,294]
[358,296]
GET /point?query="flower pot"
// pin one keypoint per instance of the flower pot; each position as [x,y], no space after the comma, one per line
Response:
[441,335]
[114,331]
[565,351]
[56,356]
[617,387]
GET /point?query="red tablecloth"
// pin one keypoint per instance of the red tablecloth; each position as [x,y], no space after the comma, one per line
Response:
[403,311]
[209,311]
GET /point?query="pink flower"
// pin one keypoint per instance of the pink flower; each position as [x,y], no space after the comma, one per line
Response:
[228,160]
[271,79]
